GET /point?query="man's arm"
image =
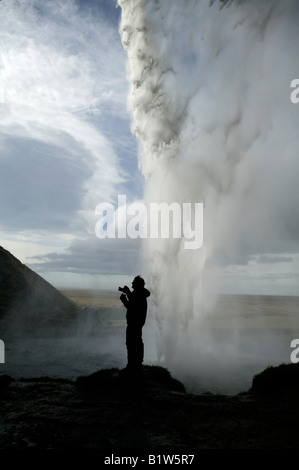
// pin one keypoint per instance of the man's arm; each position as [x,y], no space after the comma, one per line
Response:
[128,292]
[124,300]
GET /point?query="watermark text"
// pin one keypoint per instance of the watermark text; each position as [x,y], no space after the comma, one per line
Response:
[2,352]
[295,93]
[295,353]
[157,220]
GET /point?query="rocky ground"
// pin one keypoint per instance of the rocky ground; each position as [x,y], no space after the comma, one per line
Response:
[111,411]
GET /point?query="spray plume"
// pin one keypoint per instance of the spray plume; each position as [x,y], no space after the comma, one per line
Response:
[210,87]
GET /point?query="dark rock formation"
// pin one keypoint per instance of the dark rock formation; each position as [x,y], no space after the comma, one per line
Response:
[149,379]
[27,302]
[283,379]
[111,411]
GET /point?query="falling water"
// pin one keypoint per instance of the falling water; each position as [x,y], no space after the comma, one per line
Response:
[210,102]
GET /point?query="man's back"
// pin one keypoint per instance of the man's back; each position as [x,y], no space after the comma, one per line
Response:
[137,306]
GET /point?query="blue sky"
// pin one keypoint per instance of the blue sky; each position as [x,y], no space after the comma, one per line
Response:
[66,143]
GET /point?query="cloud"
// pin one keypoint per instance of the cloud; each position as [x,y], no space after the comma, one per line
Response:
[41,185]
[94,256]
[266,259]
[57,78]
[65,140]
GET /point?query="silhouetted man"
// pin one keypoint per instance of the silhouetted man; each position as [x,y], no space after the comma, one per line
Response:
[136,305]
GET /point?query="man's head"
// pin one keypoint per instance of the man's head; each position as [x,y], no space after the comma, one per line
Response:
[138,282]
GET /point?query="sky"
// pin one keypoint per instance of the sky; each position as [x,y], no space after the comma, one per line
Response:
[67,146]
[66,143]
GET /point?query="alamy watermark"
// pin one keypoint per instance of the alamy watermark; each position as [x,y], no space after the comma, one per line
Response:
[157,220]
[295,93]
[2,352]
[295,354]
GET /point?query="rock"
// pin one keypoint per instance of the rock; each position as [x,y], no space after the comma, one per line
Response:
[149,378]
[113,411]
[5,380]
[276,380]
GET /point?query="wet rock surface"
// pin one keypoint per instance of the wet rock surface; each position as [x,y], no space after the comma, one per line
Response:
[112,410]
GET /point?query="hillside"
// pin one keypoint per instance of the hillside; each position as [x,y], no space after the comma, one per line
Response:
[27,302]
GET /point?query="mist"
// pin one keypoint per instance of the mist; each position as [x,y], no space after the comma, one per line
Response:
[210,104]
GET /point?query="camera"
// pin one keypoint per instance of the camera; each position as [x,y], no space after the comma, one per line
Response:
[121,289]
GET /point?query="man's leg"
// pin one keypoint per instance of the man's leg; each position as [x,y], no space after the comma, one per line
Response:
[135,347]
[139,347]
[130,347]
